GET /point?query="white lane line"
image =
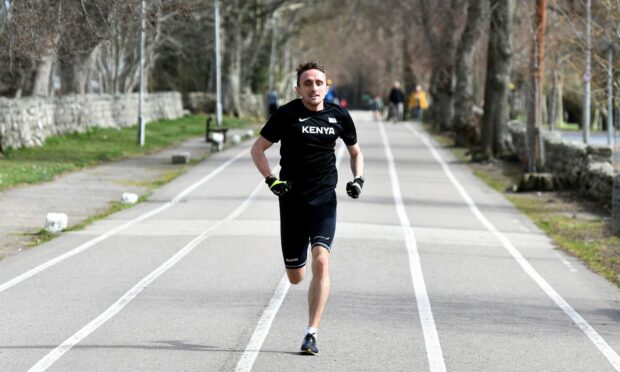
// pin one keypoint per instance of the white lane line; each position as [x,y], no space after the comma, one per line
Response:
[587,329]
[431,338]
[566,262]
[262,329]
[521,225]
[247,359]
[58,352]
[34,271]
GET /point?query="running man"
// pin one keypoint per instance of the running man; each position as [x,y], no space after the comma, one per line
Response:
[308,128]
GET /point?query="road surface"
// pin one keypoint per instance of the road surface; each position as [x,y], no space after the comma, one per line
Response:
[431,271]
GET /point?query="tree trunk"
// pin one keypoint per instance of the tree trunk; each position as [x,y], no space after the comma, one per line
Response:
[442,79]
[231,67]
[442,93]
[559,117]
[553,100]
[74,72]
[499,62]
[41,84]
[534,117]
[463,121]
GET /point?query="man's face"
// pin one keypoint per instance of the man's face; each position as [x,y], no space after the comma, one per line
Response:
[312,89]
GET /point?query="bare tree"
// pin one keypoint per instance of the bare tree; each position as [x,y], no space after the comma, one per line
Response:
[495,115]
[534,120]
[464,122]
[441,25]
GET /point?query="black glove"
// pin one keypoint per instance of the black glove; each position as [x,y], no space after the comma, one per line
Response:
[354,188]
[277,186]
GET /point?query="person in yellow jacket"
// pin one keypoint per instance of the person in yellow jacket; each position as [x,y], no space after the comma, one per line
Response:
[417,103]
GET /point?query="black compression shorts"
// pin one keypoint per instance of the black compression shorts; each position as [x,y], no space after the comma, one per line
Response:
[303,222]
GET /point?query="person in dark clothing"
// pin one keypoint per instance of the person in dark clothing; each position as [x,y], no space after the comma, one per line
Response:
[272,102]
[308,129]
[397,102]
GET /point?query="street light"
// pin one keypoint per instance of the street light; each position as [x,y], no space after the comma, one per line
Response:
[141,126]
[218,67]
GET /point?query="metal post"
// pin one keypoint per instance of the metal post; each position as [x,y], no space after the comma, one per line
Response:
[141,126]
[218,67]
[610,95]
[272,59]
[587,76]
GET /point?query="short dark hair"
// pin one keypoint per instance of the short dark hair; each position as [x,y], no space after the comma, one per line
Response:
[312,65]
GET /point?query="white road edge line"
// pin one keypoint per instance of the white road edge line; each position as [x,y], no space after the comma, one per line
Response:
[521,225]
[77,337]
[34,271]
[431,338]
[247,359]
[262,328]
[587,329]
[566,262]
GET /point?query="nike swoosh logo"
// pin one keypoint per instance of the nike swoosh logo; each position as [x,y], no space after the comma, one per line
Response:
[300,119]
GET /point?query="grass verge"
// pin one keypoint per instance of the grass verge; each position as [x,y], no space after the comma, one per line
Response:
[575,224]
[43,236]
[74,151]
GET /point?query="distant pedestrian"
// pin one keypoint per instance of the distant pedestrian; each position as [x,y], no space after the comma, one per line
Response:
[272,102]
[377,108]
[330,96]
[397,102]
[417,103]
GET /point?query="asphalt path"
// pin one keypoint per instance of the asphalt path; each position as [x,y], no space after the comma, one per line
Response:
[431,270]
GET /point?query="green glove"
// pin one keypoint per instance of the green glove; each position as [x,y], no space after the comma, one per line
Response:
[277,186]
[354,188]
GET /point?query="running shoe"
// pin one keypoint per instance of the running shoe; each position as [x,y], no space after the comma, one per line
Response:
[308,346]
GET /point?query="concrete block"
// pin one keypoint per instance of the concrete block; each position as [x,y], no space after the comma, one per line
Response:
[56,222]
[217,137]
[129,198]
[217,141]
[181,158]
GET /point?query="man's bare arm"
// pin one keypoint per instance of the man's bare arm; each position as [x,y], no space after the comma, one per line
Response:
[357,160]
[258,155]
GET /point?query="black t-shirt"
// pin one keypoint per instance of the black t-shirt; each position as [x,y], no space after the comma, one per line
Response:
[308,159]
[397,95]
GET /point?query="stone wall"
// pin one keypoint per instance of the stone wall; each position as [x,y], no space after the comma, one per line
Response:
[574,165]
[27,122]
[252,105]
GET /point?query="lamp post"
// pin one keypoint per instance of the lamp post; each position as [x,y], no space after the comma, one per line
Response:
[587,76]
[272,59]
[218,67]
[610,94]
[141,125]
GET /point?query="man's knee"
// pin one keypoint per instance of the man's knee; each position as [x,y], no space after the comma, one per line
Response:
[295,276]
[320,260]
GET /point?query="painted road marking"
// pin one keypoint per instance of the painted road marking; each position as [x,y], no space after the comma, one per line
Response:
[566,262]
[262,328]
[34,271]
[520,225]
[594,336]
[247,359]
[431,338]
[77,337]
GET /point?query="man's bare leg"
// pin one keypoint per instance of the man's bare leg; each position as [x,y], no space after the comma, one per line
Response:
[295,276]
[319,286]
